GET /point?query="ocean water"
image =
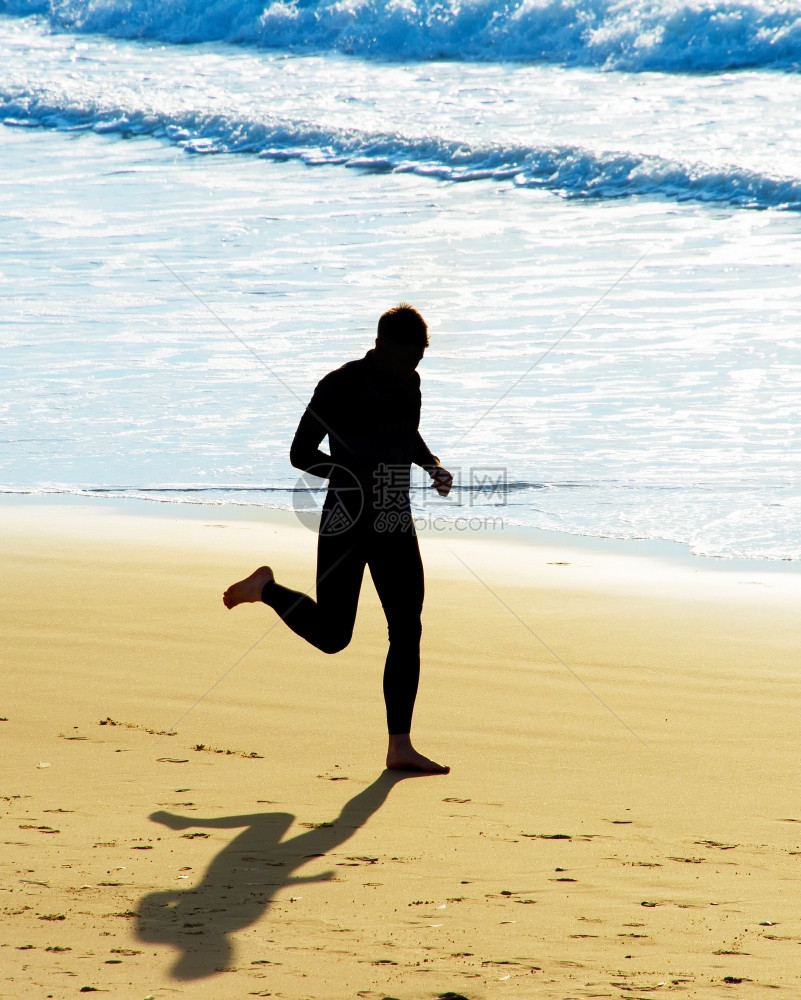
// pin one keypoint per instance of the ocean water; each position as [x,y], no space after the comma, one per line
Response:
[204,207]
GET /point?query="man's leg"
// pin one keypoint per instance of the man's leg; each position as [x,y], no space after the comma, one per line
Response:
[326,623]
[397,572]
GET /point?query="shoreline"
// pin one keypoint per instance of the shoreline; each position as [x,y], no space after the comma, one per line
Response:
[668,552]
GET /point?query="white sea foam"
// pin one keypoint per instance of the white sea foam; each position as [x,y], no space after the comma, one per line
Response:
[611,136]
[632,35]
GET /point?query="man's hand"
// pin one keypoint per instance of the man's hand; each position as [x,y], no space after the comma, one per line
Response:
[442,480]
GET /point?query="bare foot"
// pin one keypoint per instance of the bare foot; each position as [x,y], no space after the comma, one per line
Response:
[402,756]
[248,591]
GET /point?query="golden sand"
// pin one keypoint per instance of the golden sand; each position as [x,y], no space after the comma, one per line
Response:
[194,802]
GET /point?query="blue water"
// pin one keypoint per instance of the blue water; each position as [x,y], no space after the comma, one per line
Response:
[629,35]
[204,208]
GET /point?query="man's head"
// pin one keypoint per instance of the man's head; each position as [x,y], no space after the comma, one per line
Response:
[401,339]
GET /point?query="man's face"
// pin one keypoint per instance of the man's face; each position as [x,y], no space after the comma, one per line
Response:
[398,359]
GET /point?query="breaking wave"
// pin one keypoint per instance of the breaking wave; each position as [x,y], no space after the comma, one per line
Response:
[630,35]
[570,171]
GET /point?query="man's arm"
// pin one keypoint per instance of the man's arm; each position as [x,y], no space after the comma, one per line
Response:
[442,480]
[305,452]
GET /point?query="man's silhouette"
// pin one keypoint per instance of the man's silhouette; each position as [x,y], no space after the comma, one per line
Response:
[370,411]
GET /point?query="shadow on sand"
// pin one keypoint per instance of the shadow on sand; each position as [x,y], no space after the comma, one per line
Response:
[243,878]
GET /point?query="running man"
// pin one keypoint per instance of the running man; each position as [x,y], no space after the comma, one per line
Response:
[370,411]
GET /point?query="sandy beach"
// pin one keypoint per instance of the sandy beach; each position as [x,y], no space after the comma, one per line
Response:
[194,801]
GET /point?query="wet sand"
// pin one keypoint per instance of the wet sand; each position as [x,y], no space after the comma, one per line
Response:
[194,801]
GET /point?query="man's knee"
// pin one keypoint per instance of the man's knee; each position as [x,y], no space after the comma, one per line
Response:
[405,629]
[335,642]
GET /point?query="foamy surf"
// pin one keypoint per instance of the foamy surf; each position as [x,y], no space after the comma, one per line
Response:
[629,35]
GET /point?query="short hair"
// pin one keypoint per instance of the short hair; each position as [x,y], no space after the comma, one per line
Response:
[403,324]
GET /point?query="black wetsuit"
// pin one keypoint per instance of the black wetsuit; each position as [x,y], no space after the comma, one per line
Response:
[371,420]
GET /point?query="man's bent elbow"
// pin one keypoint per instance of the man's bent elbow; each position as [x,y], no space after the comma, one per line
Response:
[297,458]
[303,458]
